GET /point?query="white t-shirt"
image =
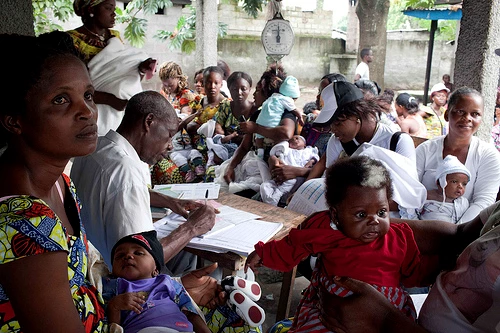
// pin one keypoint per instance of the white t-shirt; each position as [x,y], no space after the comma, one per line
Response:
[363,70]
[483,162]
[467,299]
[382,138]
[112,184]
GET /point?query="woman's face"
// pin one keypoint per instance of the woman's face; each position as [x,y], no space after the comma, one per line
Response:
[399,109]
[440,98]
[240,90]
[60,119]
[258,95]
[346,129]
[198,84]
[104,14]
[321,86]
[466,115]
[171,85]
[213,83]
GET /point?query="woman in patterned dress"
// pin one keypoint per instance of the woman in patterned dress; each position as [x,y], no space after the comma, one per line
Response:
[175,88]
[239,109]
[98,17]
[50,117]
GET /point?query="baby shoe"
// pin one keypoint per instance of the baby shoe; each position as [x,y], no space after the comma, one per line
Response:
[247,309]
[250,288]
[190,176]
[199,170]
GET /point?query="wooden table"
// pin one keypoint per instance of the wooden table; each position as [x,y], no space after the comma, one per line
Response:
[232,261]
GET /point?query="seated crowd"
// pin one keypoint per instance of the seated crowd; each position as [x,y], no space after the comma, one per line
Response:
[383,206]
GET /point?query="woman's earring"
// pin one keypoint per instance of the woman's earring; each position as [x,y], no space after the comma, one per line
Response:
[358,121]
[91,15]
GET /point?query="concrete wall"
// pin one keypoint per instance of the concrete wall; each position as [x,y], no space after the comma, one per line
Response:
[406,60]
[313,55]
[317,23]
[16,17]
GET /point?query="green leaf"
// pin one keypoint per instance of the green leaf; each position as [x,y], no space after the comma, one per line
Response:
[188,46]
[135,32]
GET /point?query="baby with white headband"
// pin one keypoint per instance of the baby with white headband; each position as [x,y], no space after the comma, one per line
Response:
[447,202]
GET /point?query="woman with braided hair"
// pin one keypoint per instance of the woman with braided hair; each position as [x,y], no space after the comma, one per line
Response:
[175,88]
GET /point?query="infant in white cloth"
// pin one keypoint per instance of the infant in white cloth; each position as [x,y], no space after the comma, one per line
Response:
[447,203]
[292,152]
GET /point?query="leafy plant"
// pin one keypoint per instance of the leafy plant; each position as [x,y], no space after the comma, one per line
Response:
[43,21]
[135,31]
[419,4]
[397,20]
[184,35]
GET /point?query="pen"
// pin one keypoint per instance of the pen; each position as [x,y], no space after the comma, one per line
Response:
[206,197]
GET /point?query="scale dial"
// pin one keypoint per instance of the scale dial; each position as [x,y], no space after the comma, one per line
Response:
[277,37]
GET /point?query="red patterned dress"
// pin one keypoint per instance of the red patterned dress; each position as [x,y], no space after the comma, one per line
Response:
[29,227]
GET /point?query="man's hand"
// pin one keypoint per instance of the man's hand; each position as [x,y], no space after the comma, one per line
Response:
[253,261]
[204,289]
[182,207]
[201,220]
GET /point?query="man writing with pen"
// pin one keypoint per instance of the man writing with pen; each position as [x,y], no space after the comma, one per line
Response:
[113,183]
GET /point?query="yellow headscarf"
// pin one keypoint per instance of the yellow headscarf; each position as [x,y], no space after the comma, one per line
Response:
[81,5]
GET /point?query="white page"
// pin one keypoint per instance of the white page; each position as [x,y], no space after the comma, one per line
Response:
[170,222]
[240,239]
[310,198]
[195,191]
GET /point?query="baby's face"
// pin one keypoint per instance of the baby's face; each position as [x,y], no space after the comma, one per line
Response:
[363,214]
[296,142]
[132,262]
[455,185]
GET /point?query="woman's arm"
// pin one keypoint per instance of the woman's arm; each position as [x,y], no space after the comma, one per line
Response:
[283,132]
[238,156]
[40,294]
[366,311]
[441,238]
[101,97]
[487,183]
[318,169]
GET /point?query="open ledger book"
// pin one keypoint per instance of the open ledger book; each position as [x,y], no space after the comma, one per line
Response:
[234,231]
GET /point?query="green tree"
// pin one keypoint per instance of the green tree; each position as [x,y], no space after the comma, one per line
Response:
[397,20]
[372,16]
[183,37]
[135,31]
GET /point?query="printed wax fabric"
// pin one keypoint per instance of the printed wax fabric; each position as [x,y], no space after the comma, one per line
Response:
[29,227]
[88,47]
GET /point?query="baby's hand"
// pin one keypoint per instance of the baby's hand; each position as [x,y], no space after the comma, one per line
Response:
[128,301]
[253,261]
